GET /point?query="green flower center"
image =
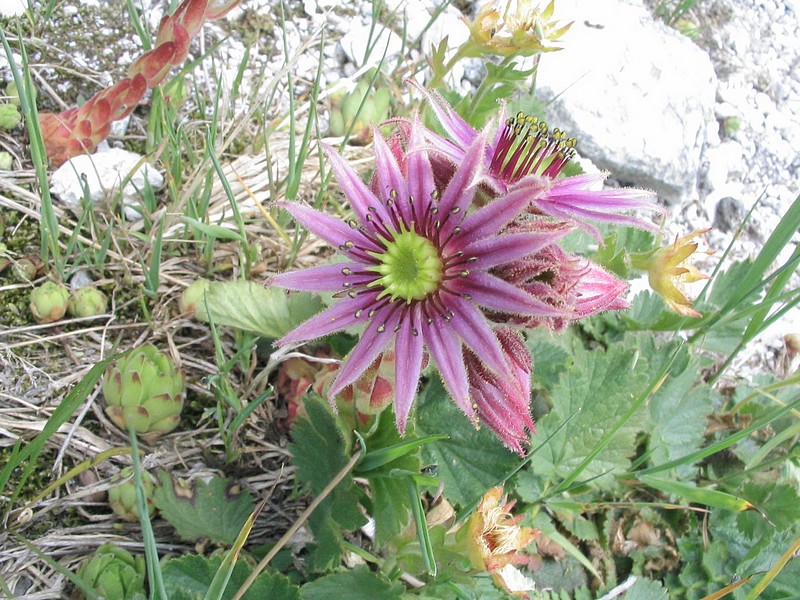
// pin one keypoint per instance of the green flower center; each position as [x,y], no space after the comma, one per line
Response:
[410,267]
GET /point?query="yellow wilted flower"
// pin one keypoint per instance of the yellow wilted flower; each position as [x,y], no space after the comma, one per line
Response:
[523,27]
[494,538]
[667,271]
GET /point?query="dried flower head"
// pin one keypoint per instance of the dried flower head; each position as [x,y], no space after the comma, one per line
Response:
[667,271]
[493,536]
[516,27]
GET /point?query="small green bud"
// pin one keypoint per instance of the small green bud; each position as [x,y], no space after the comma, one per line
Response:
[87,302]
[12,93]
[48,302]
[9,116]
[25,269]
[122,497]
[6,161]
[192,300]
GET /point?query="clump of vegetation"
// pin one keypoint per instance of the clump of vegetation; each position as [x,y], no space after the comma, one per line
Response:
[506,417]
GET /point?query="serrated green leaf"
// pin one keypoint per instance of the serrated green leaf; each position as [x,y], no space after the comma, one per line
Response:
[357,584]
[646,589]
[320,450]
[678,409]
[598,388]
[247,305]
[206,510]
[550,358]
[188,578]
[471,460]
[692,493]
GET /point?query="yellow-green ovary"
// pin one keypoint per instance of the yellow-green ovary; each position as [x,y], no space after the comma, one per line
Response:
[410,267]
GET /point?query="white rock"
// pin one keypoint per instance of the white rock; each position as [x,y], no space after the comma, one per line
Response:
[414,15]
[450,25]
[635,93]
[365,47]
[102,173]
[13,8]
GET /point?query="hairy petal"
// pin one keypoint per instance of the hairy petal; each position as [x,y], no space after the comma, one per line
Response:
[493,293]
[358,193]
[336,318]
[505,248]
[334,231]
[316,279]
[408,367]
[374,340]
[445,349]
[473,328]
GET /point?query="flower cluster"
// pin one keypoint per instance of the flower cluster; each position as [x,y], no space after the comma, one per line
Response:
[454,245]
[80,129]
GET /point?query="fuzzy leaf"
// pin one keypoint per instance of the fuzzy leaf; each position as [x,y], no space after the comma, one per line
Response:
[270,312]
[320,450]
[472,460]
[595,391]
[357,584]
[188,578]
[211,510]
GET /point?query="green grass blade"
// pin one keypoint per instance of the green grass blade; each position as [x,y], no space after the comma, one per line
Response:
[61,414]
[423,535]
[48,222]
[722,444]
[698,495]
[157,590]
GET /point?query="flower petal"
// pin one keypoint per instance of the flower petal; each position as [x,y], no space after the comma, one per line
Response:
[408,366]
[445,349]
[461,131]
[501,249]
[494,216]
[361,198]
[461,188]
[390,178]
[334,231]
[493,293]
[420,174]
[376,337]
[316,279]
[474,330]
[345,313]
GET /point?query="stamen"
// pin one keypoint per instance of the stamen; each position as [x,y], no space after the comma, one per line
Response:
[528,147]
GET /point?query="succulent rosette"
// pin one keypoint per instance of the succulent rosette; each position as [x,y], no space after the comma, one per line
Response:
[49,302]
[122,494]
[115,573]
[144,391]
[87,302]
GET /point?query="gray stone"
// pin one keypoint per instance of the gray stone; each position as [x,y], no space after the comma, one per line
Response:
[728,214]
[636,94]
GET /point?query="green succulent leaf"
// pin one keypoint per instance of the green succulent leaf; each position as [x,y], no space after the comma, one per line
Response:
[213,510]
